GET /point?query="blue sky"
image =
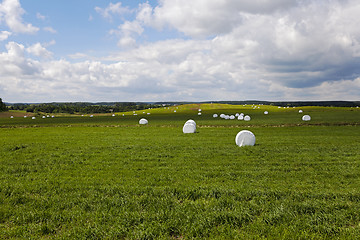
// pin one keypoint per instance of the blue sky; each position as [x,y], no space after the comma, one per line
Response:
[179,50]
[79,27]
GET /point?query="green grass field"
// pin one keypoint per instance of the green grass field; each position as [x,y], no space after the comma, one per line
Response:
[73,177]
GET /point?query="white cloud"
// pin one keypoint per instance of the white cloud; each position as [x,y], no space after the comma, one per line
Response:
[78,56]
[128,32]
[11,12]
[201,18]
[236,50]
[38,50]
[39,16]
[112,9]
[4,35]
[13,63]
[50,30]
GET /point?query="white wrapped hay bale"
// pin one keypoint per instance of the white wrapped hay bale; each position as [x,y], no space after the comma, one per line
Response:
[300,111]
[247,118]
[191,121]
[245,138]
[143,121]
[232,117]
[215,115]
[189,127]
[241,117]
[306,118]
[199,113]
[266,112]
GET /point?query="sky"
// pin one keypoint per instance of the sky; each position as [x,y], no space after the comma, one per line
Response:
[179,50]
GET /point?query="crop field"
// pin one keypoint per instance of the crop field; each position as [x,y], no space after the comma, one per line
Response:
[104,177]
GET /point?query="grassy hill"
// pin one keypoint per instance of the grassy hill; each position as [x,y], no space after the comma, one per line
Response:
[77,177]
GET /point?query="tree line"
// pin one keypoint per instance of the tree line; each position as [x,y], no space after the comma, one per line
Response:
[2,106]
[81,107]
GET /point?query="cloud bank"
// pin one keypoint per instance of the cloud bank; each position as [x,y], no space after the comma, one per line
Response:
[223,50]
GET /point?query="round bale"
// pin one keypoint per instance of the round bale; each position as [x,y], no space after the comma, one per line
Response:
[143,121]
[306,118]
[245,138]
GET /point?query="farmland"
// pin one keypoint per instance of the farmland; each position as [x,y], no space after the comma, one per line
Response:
[76,177]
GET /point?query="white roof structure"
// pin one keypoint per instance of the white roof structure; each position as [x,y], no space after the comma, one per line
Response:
[245,138]
[247,118]
[143,121]
[306,118]
[215,115]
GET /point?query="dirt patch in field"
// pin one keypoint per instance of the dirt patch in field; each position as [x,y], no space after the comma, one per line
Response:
[14,114]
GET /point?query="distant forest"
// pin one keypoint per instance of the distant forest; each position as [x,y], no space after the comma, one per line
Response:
[81,107]
[108,107]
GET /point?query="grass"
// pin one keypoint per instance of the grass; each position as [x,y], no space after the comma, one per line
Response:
[109,178]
